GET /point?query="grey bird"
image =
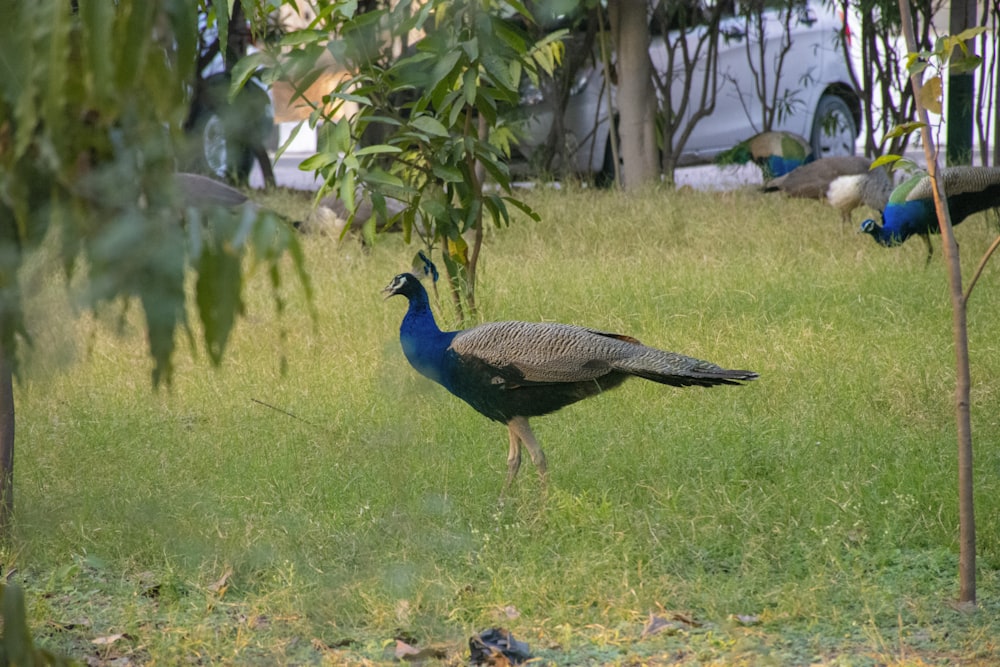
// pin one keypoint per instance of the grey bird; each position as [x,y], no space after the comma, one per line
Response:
[846,182]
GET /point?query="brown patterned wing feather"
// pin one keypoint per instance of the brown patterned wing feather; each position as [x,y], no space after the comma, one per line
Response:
[561,353]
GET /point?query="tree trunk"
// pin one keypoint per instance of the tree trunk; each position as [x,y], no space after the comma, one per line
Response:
[966,513]
[636,97]
[961,90]
[6,444]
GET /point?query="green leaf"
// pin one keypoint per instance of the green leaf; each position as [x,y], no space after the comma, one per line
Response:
[530,212]
[497,169]
[971,33]
[346,191]
[444,74]
[351,97]
[430,125]
[378,176]
[884,160]
[964,64]
[98,22]
[219,288]
[377,149]
[304,38]
[222,9]
[448,173]
[903,128]
[318,161]
[245,68]
[184,27]
[916,67]
[500,72]
[134,44]
[469,87]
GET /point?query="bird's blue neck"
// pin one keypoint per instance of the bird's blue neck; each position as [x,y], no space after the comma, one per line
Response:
[903,220]
[424,344]
[882,235]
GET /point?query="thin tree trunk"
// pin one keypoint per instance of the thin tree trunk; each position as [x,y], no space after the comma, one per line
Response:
[6,444]
[966,513]
[636,96]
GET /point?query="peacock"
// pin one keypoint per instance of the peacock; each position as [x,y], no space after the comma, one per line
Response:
[871,188]
[845,181]
[776,153]
[512,371]
[910,209]
[203,192]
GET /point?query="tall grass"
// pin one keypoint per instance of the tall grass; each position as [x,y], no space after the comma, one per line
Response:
[315,487]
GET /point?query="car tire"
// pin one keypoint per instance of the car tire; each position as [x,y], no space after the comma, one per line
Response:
[834,130]
[605,178]
[224,136]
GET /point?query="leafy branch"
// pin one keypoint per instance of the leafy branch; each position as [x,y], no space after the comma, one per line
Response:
[426,128]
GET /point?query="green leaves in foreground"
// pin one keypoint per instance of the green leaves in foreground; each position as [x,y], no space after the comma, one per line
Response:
[17,646]
[429,125]
[91,108]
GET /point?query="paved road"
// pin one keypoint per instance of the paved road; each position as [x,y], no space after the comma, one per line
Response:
[707,177]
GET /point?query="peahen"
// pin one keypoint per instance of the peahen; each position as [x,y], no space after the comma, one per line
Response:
[845,181]
[203,192]
[910,209]
[776,153]
[512,371]
[871,188]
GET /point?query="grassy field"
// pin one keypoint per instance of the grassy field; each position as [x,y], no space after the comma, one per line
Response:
[315,498]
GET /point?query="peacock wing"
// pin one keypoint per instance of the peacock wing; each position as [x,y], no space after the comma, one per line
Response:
[544,352]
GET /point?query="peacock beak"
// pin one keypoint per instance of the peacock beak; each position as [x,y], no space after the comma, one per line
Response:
[392,288]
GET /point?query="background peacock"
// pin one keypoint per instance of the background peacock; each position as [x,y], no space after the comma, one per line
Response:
[910,209]
[776,153]
[812,180]
[845,181]
[871,188]
[511,371]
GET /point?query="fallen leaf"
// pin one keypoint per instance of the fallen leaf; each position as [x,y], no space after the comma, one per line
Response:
[259,622]
[222,583]
[685,619]
[107,640]
[658,624]
[70,625]
[746,619]
[671,623]
[403,649]
[323,646]
[411,653]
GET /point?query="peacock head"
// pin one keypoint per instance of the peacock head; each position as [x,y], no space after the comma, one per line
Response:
[406,284]
[869,227]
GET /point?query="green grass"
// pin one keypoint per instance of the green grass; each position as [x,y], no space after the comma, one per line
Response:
[207,527]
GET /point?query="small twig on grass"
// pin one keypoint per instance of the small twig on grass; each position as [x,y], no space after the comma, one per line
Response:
[284,412]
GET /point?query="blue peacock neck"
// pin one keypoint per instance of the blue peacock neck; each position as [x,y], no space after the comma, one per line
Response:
[424,344]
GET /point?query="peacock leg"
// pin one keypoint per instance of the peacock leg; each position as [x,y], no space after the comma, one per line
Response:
[519,425]
[930,248]
[513,456]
